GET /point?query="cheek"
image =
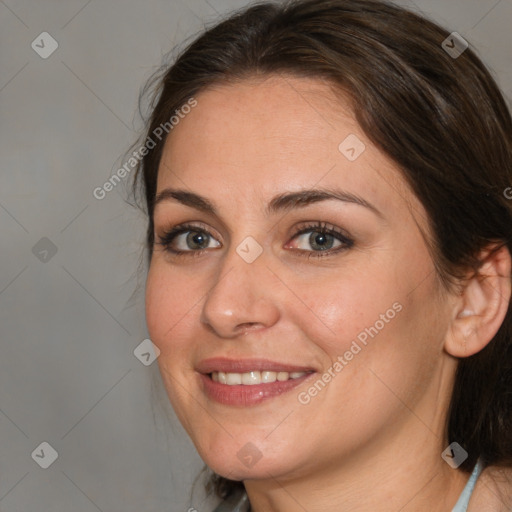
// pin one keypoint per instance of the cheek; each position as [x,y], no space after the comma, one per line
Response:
[169,316]
[372,322]
[157,303]
[343,308]
[377,341]
[169,305]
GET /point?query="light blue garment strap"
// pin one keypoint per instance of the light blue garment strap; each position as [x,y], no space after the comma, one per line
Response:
[463,501]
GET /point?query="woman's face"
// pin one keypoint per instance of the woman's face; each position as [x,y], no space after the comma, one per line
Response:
[272,284]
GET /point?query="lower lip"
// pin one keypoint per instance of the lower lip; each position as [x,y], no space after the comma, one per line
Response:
[243,395]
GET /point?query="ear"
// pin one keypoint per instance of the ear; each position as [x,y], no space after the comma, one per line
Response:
[482,305]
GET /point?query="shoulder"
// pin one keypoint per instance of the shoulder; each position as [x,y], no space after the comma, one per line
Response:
[493,491]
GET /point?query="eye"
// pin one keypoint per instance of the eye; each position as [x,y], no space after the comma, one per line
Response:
[318,240]
[186,239]
[322,239]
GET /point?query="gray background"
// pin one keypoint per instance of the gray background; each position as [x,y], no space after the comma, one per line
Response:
[69,322]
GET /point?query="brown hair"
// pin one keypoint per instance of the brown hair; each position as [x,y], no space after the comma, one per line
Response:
[442,120]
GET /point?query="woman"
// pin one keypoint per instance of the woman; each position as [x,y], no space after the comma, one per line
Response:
[329,240]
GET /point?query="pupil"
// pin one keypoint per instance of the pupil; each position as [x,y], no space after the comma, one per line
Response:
[196,238]
[320,240]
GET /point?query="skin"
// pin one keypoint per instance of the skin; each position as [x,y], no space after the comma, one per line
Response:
[372,438]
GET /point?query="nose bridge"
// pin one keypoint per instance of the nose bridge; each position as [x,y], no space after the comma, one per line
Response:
[240,295]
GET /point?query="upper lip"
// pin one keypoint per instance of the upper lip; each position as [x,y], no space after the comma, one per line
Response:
[226,365]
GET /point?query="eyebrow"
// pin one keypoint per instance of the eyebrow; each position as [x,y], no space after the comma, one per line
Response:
[280,203]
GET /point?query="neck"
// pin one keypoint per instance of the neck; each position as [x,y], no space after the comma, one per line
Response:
[407,480]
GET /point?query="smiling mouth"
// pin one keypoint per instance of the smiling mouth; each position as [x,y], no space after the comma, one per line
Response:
[250,388]
[253,378]
[246,382]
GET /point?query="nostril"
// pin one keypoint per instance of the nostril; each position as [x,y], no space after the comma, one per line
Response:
[248,326]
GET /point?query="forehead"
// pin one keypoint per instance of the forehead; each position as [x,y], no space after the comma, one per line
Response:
[276,134]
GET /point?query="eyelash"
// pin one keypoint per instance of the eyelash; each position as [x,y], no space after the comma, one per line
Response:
[320,227]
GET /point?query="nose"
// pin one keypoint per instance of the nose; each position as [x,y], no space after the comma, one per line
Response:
[241,298]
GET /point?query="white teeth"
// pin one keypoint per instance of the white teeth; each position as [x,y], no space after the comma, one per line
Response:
[268,377]
[251,378]
[255,377]
[232,379]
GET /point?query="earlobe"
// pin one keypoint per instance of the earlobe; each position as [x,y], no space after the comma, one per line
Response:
[482,305]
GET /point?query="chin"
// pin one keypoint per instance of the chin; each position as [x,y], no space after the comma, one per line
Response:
[245,461]
[230,458]
[234,470]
